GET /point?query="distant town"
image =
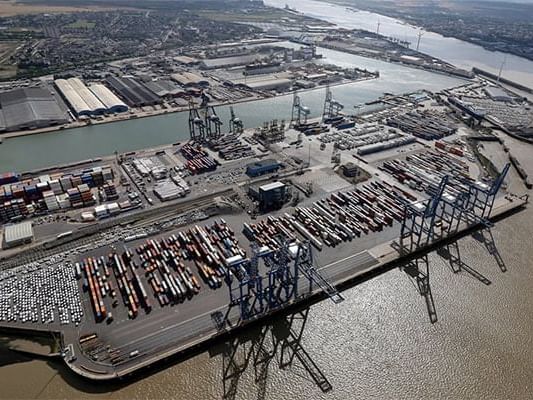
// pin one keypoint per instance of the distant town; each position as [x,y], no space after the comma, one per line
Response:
[492,25]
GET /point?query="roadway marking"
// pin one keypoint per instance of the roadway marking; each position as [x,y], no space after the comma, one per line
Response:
[346,258]
[173,326]
[176,325]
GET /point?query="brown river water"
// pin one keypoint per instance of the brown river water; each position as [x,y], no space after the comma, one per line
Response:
[377,344]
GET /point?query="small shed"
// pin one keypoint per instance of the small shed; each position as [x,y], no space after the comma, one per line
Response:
[18,234]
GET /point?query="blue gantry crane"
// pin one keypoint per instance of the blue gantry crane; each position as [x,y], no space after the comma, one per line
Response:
[256,293]
[441,215]
[419,220]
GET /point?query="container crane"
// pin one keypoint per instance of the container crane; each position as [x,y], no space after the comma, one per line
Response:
[212,123]
[299,112]
[196,124]
[236,126]
[332,107]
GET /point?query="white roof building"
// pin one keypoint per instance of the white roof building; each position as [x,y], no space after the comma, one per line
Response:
[82,100]
[74,100]
[88,97]
[108,98]
[17,234]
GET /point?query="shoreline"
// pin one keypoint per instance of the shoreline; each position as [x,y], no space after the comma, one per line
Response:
[422,67]
[416,25]
[156,113]
[385,257]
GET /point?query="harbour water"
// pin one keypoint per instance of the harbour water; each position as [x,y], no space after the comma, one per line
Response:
[377,344]
[460,53]
[29,152]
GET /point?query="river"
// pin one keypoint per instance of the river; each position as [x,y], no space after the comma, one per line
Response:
[29,152]
[462,54]
[377,344]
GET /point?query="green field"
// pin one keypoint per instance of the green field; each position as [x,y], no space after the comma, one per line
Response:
[81,24]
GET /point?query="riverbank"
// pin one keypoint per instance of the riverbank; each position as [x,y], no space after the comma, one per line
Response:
[127,116]
[195,334]
[443,69]
[421,22]
[462,54]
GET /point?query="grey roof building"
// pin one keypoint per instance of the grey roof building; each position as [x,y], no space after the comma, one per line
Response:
[226,62]
[164,88]
[132,92]
[30,108]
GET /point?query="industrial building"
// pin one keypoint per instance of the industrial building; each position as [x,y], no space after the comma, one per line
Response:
[262,167]
[133,92]
[31,108]
[168,190]
[81,100]
[17,234]
[270,196]
[112,103]
[270,84]
[277,81]
[165,88]
[498,94]
[227,62]
[186,60]
[188,79]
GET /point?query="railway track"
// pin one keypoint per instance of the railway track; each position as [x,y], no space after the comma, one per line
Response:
[138,220]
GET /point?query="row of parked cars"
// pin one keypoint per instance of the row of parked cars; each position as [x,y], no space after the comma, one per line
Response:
[40,294]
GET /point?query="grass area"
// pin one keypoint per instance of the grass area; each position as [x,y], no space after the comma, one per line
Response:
[81,24]
[266,15]
[13,7]
[8,71]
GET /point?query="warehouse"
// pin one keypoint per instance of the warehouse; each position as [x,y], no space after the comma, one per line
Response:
[271,196]
[186,60]
[31,108]
[498,94]
[88,97]
[187,79]
[73,99]
[168,190]
[17,234]
[81,100]
[112,103]
[227,62]
[262,167]
[133,92]
[279,81]
[165,88]
[270,84]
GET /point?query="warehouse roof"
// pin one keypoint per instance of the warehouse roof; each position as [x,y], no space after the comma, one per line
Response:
[164,87]
[74,99]
[108,98]
[88,97]
[133,92]
[271,186]
[30,107]
[229,61]
[16,233]
[185,60]
[498,93]
[269,84]
[188,78]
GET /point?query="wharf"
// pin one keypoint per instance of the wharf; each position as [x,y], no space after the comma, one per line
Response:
[179,332]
